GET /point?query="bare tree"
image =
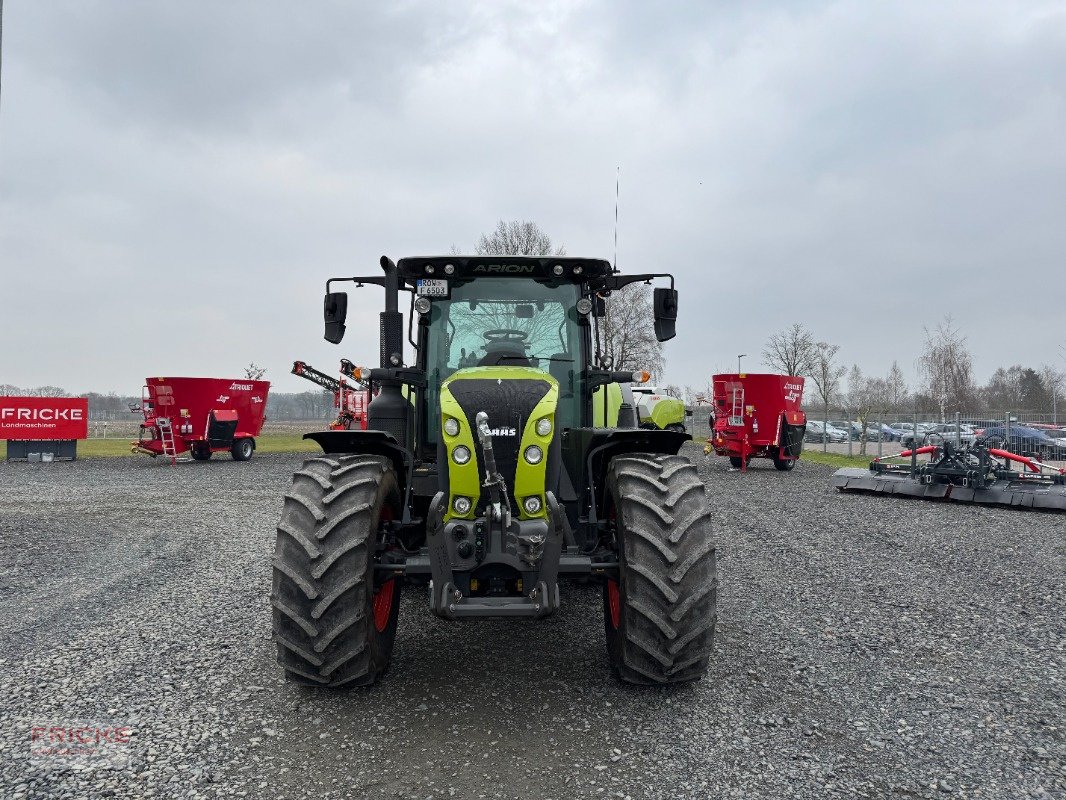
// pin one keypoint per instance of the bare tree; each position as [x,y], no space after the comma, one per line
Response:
[895,388]
[866,396]
[1004,389]
[50,391]
[315,404]
[791,351]
[9,390]
[826,376]
[253,372]
[516,238]
[674,391]
[629,331]
[1055,380]
[946,367]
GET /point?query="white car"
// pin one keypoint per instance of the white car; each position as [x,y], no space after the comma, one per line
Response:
[818,430]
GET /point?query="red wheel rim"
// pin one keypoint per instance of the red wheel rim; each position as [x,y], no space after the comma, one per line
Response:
[383,598]
[386,593]
[614,603]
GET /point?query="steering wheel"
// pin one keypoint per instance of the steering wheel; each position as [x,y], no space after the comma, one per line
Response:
[505,335]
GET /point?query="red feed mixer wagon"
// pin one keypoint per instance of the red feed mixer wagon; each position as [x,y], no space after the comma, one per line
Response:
[758,416]
[201,416]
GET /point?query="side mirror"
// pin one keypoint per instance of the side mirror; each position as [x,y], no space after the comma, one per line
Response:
[334,311]
[599,306]
[665,301]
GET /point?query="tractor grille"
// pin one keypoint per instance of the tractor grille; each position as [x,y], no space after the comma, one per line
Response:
[508,402]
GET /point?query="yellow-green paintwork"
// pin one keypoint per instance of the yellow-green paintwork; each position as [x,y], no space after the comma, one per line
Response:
[529,478]
[668,411]
[614,404]
[462,478]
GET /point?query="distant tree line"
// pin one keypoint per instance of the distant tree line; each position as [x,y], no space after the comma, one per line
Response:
[945,385]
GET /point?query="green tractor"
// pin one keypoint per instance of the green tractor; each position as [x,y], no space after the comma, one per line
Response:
[501,462]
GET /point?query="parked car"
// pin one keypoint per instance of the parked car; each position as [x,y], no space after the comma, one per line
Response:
[817,431]
[908,438]
[891,434]
[947,433]
[1026,441]
[853,429]
[873,433]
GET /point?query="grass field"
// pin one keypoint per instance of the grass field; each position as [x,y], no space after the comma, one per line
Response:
[836,459]
[112,448]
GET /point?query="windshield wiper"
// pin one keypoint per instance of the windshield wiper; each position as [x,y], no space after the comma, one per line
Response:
[503,356]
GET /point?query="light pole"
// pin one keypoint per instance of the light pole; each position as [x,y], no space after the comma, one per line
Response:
[738,361]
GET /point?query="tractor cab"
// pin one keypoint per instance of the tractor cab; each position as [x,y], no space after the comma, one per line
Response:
[496,464]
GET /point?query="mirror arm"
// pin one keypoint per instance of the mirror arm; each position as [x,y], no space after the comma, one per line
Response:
[613,282]
[375,279]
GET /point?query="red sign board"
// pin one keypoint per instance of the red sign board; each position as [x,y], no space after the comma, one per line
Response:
[44,418]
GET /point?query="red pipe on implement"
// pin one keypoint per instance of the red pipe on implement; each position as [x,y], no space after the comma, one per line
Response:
[929,448]
[1013,457]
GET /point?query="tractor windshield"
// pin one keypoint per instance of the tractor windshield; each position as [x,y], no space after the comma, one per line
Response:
[507,322]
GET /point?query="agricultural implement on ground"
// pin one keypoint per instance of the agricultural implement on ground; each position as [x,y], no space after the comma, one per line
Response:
[493,468]
[657,409]
[201,416]
[970,474]
[350,401]
[758,416]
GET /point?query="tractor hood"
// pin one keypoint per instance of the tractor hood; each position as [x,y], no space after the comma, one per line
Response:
[517,400]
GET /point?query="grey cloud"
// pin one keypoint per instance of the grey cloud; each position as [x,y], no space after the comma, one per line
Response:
[787,161]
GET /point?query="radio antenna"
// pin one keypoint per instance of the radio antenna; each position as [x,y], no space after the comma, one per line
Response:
[617,180]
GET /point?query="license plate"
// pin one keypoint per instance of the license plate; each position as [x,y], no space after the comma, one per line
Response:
[432,287]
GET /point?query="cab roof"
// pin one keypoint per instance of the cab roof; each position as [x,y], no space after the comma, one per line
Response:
[562,267]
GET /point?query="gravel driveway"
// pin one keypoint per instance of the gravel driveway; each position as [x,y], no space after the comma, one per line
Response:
[868,647]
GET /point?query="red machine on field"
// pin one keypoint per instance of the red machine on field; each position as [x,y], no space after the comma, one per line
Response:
[758,416]
[201,415]
[350,402]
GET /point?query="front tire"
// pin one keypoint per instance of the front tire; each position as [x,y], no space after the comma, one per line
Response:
[334,622]
[201,452]
[736,462]
[660,614]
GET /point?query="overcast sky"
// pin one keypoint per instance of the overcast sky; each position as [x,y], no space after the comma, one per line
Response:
[177,180]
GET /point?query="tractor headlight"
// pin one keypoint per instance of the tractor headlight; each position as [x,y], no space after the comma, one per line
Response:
[533,454]
[544,426]
[451,426]
[461,505]
[461,454]
[531,505]
[422,305]
[558,269]
[584,306]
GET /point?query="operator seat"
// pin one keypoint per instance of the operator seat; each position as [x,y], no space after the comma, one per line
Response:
[496,356]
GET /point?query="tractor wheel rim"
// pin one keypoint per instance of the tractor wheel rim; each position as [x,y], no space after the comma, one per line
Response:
[614,603]
[383,598]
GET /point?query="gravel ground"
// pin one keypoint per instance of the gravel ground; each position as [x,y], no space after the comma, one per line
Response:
[868,647]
